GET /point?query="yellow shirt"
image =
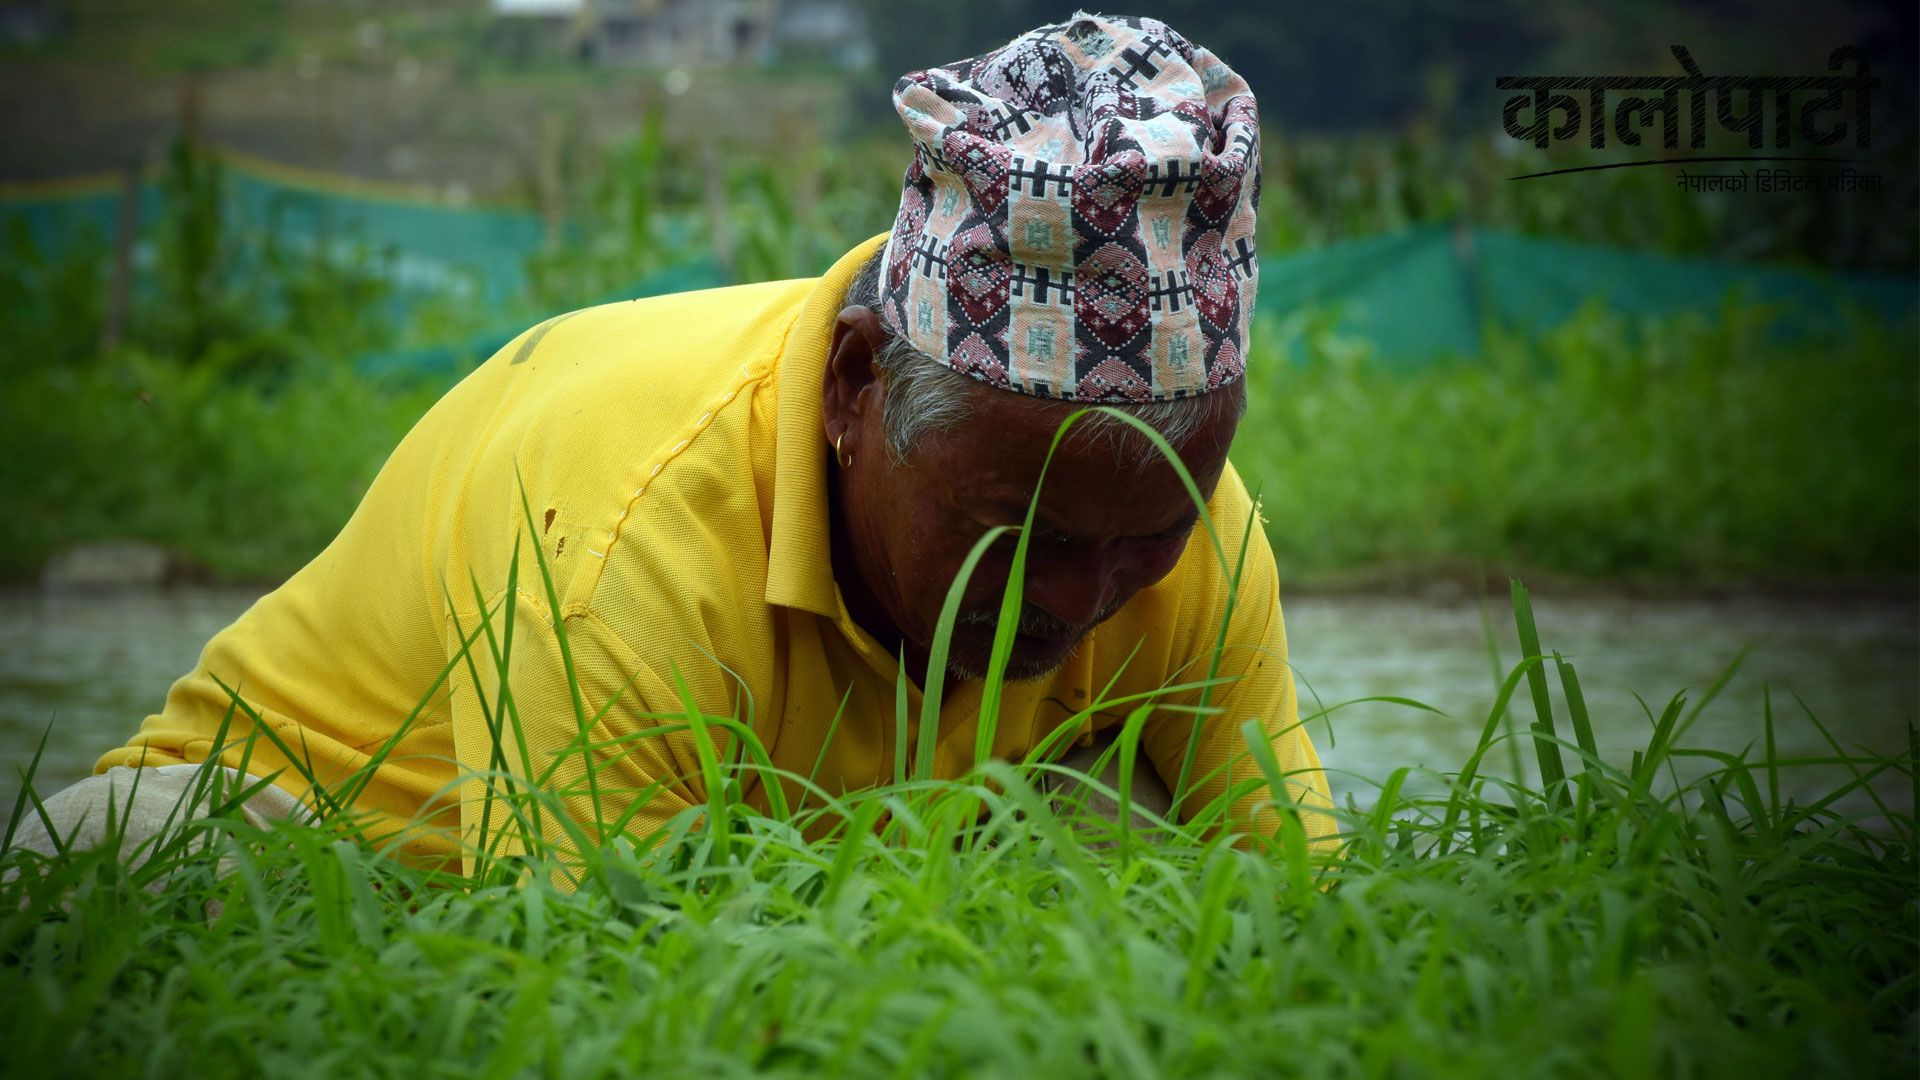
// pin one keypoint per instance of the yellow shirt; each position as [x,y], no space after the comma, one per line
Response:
[672,457]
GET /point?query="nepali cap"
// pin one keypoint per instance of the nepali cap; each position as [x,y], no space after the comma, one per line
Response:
[1077,222]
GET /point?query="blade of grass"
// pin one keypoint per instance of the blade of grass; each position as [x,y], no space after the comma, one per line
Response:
[26,785]
[901,735]
[1878,803]
[1773,753]
[719,813]
[1463,784]
[1493,659]
[566,650]
[1553,772]
[496,752]
[1661,742]
[1593,786]
[813,775]
[935,684]
[1217,652]
[1129,744]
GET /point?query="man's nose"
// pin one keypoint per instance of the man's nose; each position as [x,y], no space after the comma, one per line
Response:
[1074,589]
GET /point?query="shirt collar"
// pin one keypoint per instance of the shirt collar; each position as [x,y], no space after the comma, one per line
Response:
[799,554]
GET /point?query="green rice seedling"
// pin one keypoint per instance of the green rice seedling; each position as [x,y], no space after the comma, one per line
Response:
[1029,952]
[963,927]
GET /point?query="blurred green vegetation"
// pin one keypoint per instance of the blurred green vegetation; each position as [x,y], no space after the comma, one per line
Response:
[221,422]
[227,422]
[1689,450]
[1695,449]
[763,215]
[245,479]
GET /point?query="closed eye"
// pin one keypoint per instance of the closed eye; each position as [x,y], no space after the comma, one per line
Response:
[1178,531]
[1175,532]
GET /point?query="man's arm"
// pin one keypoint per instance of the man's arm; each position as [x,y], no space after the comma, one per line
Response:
[336,669]
[143,806]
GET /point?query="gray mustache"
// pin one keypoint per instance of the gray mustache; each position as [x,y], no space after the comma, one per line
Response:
[1034,620]
[1037,621]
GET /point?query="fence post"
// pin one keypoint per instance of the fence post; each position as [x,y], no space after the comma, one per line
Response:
[713,174]
[124,235]
[1468,259]
[551,177]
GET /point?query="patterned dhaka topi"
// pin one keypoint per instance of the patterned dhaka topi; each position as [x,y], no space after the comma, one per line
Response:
[1077,222]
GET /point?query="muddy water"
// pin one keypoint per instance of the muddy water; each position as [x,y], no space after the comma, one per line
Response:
[1855,664]
[87,667]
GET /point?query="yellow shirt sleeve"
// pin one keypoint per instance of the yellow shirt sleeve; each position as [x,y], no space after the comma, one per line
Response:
[343,654]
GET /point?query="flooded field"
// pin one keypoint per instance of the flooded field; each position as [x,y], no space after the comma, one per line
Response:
[92,665]
[1854,663]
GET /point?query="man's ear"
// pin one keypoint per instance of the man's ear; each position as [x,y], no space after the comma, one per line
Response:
[851,374]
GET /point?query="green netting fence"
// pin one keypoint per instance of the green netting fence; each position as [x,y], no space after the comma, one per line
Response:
[1413,296]
[1430,291]
[479,253]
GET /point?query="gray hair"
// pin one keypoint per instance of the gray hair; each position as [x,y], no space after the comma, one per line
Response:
[925,396]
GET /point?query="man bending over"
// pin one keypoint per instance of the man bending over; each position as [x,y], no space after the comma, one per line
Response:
[755,498]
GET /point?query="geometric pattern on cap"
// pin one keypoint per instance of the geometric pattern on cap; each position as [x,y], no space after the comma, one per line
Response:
[1078,218]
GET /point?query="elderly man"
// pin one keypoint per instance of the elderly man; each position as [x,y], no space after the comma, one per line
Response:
[756,498]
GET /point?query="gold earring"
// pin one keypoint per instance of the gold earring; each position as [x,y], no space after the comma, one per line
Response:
[846,460]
